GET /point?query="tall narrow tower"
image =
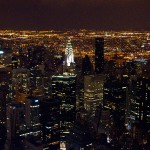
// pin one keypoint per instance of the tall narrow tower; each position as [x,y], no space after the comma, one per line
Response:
[69,64]
[69,53]
[99,55]
[64,90]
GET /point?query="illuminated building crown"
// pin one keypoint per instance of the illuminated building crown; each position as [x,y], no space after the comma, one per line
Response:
[69,53]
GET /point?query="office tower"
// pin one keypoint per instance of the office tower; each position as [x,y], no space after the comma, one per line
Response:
[104,120]
[35,56]
[32,115]
[50,123]
[20,81]
[36,79]
[5,80]
[80,94]
[93,92]
[15,125]
[86,66]
[64,89]
[69,66]
[79,136]
[140,111]
[99,55]
[3,101]
[36,67]
[115,99]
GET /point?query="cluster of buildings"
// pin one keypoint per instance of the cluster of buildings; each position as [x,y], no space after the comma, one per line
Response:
[67,102]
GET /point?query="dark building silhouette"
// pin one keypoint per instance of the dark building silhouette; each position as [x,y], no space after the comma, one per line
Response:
[35,55]
[50,123]
[64,89]
[115,99]
[32,117]
[79,136]
[140,107]
[86,65]
[5,80]
[99,55]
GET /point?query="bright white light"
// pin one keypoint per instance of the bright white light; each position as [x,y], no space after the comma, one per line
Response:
[69,53]
[1,52]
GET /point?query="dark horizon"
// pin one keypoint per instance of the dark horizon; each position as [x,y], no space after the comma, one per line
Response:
[76,30]
[75,14]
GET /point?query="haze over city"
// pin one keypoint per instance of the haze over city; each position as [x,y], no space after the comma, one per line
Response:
[75,14]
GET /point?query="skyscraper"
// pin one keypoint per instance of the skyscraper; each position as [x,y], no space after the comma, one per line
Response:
[64,89]
[93,92]
[50,114]
[32,116]
[140,106]
[15,124]
[86,65]
[115,99]
[99,55]
[69,64]
[5,80]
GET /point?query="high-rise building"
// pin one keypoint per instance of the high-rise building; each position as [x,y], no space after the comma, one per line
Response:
[64,89]
[79,136]
[115,99]
[36,67]
[93,92]
[35,55]
[50,123]
[140,106]
[69,66]
[32,115]
[99,55]
[20,81]
[15,124]
[5,80]
[86,66]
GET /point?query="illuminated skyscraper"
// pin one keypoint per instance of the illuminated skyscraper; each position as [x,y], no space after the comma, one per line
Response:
[32,115]
[93,92]
[140,106]
[99,55]
[69,53]
[69,64]
[64,89]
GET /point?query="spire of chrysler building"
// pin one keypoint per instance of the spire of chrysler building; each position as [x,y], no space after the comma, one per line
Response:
[69,53]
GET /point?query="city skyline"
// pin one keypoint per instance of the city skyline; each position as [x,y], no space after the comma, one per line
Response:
[89,91]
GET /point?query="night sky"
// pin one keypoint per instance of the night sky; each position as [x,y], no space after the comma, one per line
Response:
[75,14]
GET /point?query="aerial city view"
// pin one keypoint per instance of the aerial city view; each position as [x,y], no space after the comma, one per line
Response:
[75,75]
